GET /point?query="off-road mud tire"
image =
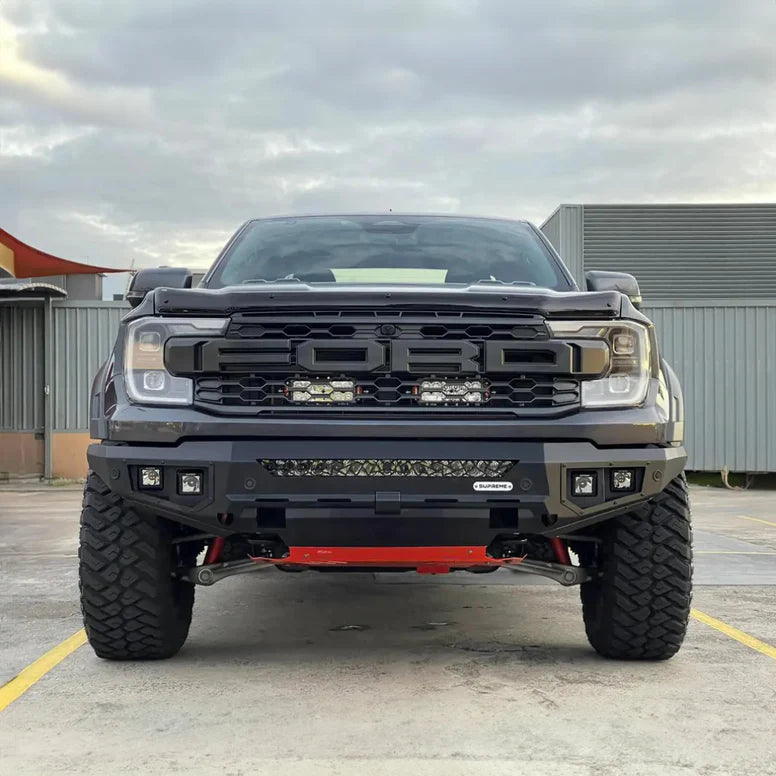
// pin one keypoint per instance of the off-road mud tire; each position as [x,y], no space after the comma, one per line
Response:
[133,607]
[638,608]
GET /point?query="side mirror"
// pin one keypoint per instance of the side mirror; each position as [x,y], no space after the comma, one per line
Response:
[162,277]
[599,280]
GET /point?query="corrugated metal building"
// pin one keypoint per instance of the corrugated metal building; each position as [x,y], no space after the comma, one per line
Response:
[84,333]
[50,350]
[708,278]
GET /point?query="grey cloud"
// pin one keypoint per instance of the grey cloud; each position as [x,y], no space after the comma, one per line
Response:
[177,121]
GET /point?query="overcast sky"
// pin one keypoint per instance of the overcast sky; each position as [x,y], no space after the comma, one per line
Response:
[147,131]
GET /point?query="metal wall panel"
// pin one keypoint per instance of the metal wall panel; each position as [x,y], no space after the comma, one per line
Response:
[724,352]
[686,251]
[84,333]
[564,230]
[551,229]
[708,277]
[21,367]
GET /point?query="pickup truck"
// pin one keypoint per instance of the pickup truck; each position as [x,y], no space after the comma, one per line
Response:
[389,393]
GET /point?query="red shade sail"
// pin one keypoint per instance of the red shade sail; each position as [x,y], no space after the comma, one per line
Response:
[23,261]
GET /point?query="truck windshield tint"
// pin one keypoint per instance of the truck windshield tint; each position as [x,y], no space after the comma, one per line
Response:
[388,249]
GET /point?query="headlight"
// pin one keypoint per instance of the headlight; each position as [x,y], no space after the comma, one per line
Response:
[147,378]
[628,379]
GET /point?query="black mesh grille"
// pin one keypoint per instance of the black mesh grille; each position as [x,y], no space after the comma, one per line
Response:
[538,392]
[366,325]
[321,467]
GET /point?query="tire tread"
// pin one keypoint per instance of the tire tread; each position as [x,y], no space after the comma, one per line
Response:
[639,606]
[133,609]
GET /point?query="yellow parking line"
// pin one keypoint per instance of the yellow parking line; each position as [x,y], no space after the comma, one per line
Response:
[20,684]
[734,633]
[757,520]
[732,552]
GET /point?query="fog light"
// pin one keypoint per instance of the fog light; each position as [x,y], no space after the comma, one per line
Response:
[189,483]
[150,478]
[583,484]
[622,479]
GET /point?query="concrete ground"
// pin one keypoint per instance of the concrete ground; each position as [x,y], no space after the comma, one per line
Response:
[445,675]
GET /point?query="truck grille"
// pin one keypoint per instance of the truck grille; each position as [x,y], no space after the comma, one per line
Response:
[388,356]
[368,324]
[320,467]
[246,391]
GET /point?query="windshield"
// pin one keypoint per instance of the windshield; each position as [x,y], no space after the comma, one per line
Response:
[388,249]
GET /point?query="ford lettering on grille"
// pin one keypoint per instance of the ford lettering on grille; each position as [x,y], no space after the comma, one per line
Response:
[417,365]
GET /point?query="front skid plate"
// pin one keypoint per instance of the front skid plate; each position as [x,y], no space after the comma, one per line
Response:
[400,557]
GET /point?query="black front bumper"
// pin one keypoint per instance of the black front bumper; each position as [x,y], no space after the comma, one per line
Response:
[242,495]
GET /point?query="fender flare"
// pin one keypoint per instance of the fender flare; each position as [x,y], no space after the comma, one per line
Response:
[675,425]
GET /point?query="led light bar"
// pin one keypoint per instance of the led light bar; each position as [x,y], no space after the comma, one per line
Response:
[452,392]
[321,391]
[372,467]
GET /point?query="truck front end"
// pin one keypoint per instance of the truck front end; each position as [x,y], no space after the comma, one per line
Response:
[320,421]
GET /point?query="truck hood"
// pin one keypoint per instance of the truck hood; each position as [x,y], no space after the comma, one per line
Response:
[300,297]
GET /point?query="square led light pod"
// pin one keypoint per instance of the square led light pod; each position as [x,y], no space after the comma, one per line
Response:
[583,483]
[622,479]
[150,478]
[189,483]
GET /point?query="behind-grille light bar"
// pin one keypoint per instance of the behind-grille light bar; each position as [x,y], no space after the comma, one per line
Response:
[452,391]
[346,467]
[321,391]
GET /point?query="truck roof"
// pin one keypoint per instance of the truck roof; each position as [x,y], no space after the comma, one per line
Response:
[389,214]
